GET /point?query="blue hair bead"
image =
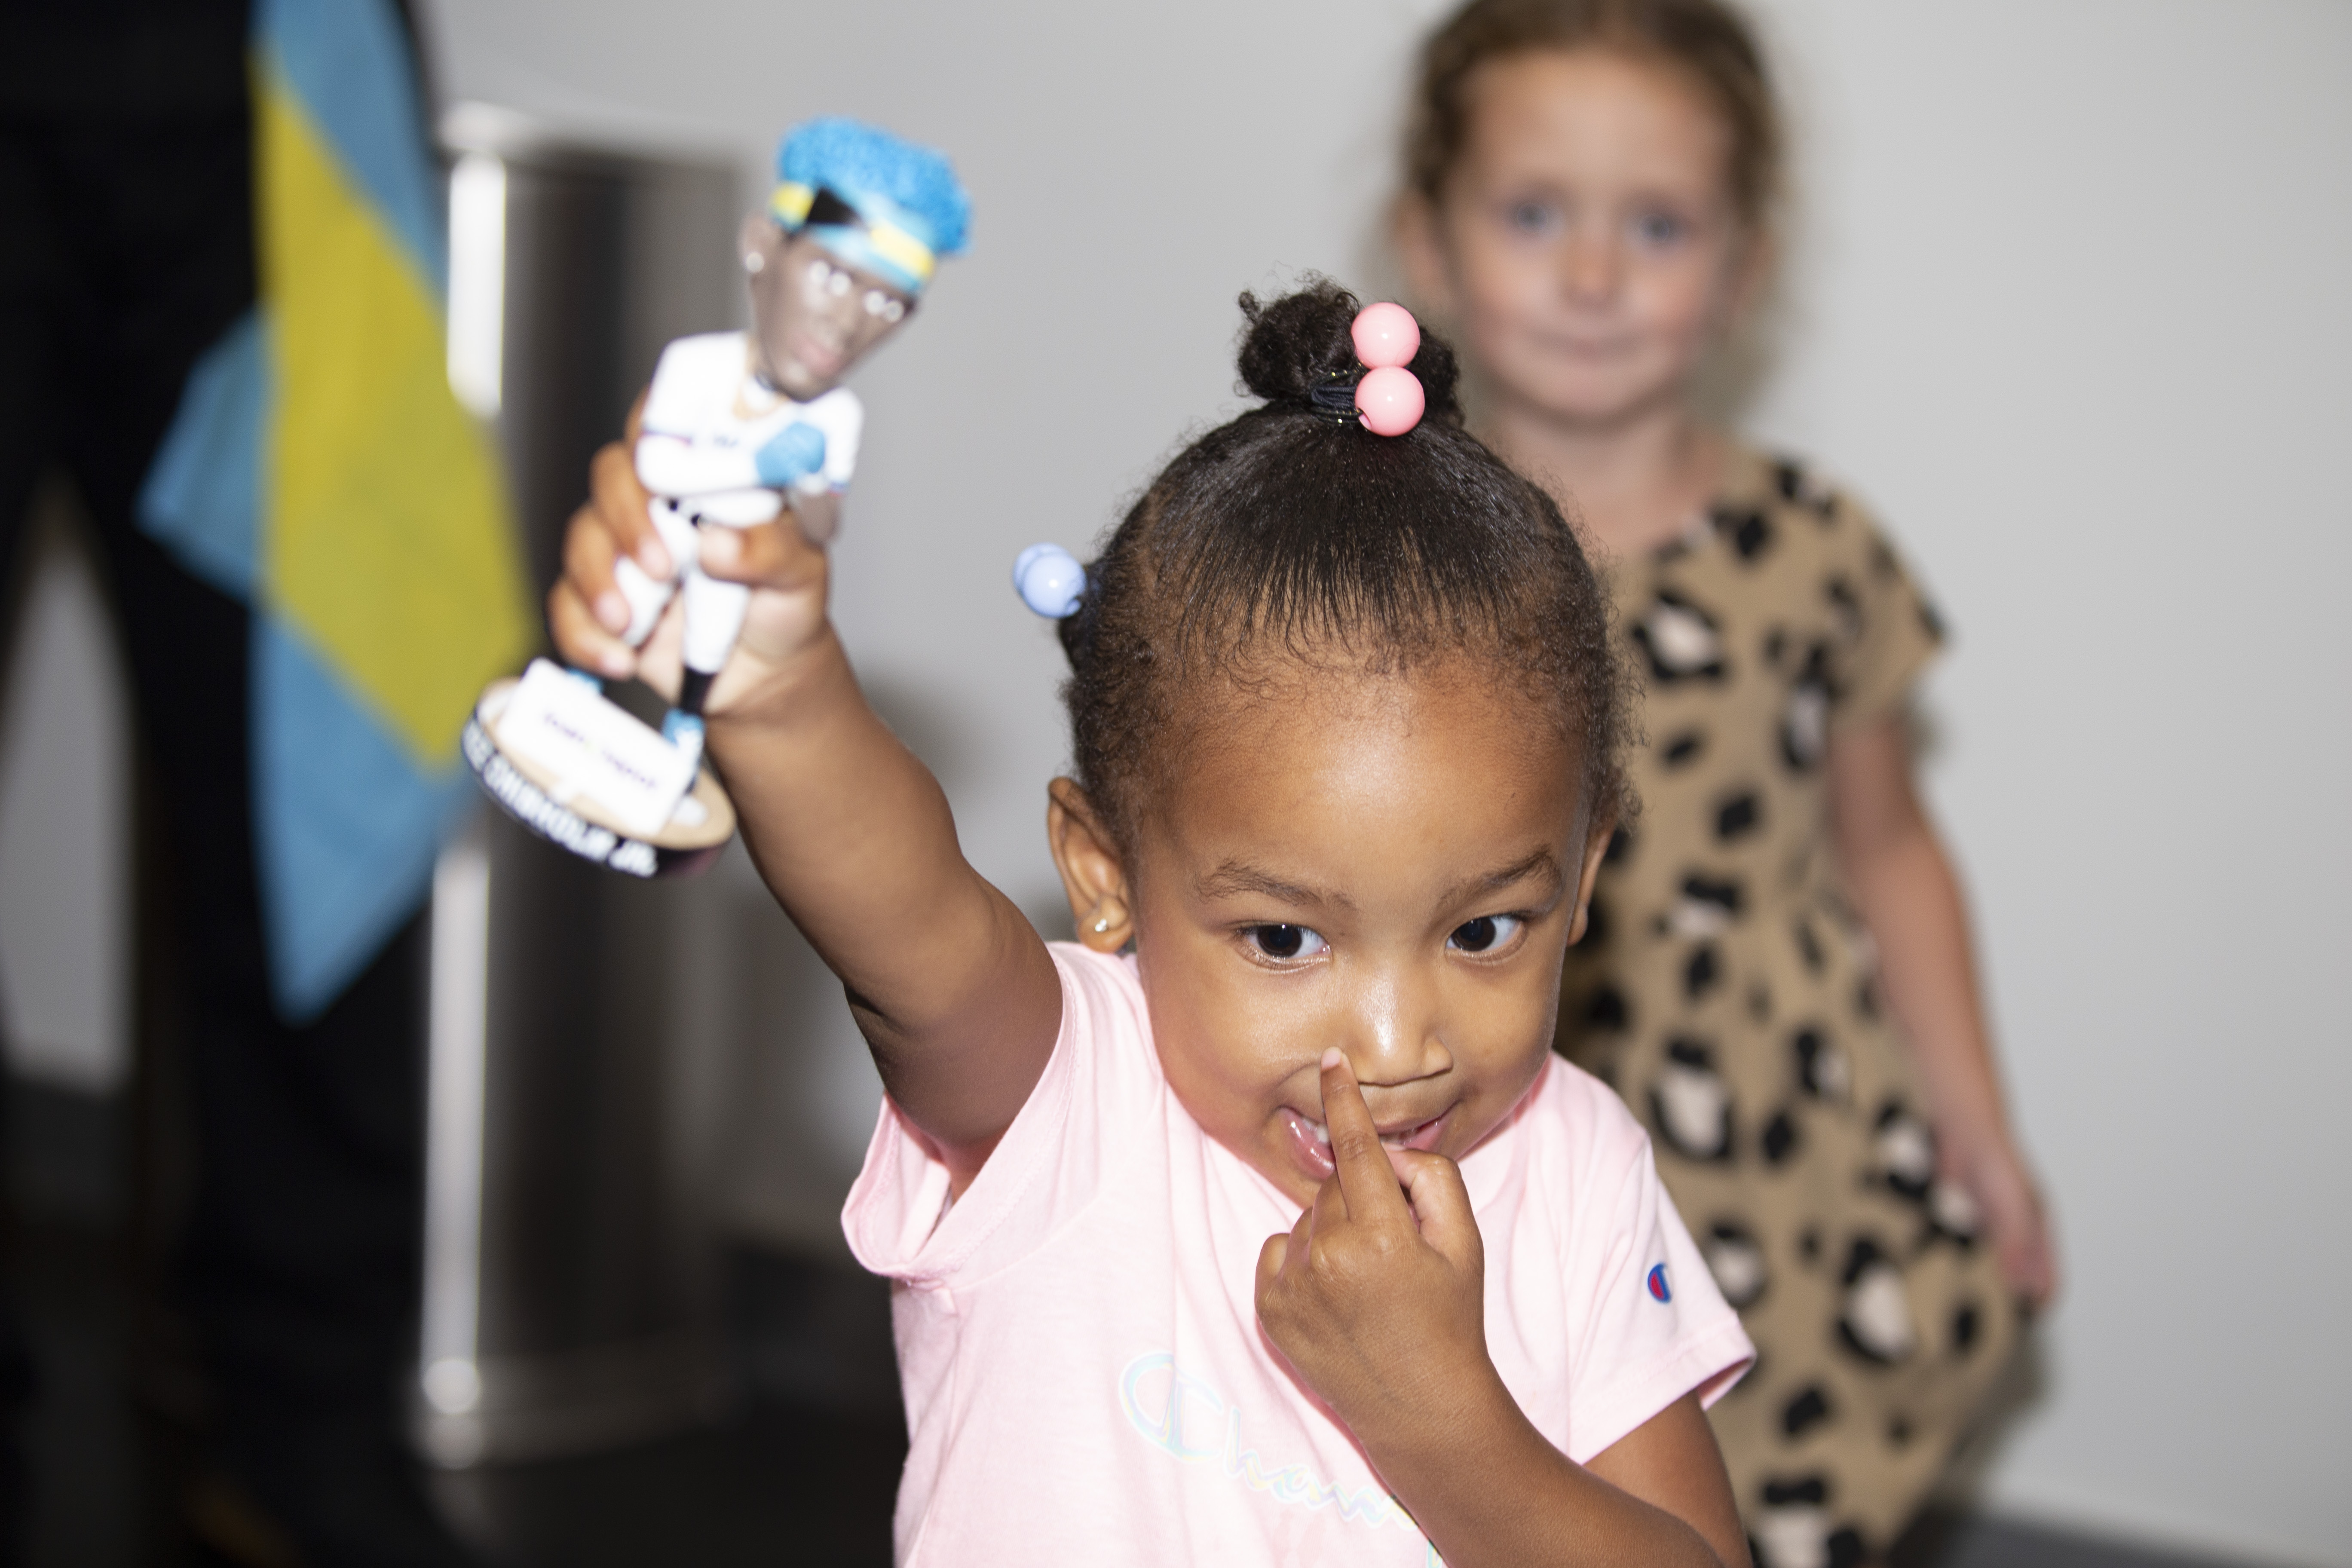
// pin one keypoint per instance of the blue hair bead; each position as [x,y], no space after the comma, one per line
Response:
[1049,579]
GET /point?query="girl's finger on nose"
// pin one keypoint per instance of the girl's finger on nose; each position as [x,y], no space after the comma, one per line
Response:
[1365,1175]
[1329,1209]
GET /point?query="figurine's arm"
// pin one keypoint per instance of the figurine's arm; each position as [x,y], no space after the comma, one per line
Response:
[671,465]
[951,986]
[697,373]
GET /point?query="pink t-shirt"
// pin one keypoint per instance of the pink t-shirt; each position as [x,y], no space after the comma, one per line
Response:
[1085,1377]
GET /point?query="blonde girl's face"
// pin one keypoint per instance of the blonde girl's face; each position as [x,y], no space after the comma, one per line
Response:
[1393,865]
[1586,245]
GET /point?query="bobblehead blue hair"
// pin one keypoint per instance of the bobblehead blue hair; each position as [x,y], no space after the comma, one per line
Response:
[882,204]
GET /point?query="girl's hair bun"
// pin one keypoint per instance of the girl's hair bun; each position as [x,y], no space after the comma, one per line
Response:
[1293,530]
[1302,341]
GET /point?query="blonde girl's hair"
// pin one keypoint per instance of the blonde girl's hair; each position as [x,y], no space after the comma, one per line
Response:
[1709,42]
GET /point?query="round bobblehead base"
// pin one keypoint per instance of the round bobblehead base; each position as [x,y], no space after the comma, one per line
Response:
[526,793]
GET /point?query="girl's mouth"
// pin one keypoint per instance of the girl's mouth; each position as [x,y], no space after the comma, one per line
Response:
[1586,350]
[1310,1140]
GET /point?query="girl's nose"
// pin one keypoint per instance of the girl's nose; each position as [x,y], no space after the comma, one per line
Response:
[1591,267]
[1394,1037]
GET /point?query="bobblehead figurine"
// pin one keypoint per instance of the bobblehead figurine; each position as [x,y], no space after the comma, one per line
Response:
[738,427]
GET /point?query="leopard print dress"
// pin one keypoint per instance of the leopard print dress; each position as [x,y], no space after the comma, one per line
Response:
[1727,992]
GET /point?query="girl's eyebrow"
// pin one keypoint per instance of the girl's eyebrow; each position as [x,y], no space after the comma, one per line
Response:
[1235,877]
[1540,863]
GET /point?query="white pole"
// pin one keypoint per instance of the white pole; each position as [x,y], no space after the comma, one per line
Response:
[453,1147]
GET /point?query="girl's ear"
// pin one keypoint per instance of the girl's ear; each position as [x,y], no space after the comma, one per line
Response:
[1420,246]
[1596,849]
[1092,873]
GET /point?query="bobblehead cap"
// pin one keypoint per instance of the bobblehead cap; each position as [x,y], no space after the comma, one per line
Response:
[877,200]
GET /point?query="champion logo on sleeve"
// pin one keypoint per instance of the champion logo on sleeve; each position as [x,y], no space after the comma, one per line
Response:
[1659,1290]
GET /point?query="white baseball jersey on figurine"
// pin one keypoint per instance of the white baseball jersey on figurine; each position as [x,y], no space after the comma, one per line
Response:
[707,417]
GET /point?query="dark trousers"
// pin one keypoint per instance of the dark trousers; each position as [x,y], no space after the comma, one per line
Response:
[125,249]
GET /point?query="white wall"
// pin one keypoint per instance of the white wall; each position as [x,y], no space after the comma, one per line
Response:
[2069,301]
[2074,307]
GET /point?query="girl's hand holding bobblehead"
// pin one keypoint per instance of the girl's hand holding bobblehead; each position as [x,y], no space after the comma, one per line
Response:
[784,629]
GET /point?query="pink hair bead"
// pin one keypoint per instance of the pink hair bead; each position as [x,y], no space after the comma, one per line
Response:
[1386,335]
[1389,400]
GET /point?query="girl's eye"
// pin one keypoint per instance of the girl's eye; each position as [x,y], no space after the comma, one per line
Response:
[1484,934]
[1532,217]
[817,274]
[1285,941]
[878,303]
[838,283]
[1659,229]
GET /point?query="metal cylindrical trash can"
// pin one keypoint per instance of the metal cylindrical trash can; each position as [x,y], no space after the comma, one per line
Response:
[570,1278]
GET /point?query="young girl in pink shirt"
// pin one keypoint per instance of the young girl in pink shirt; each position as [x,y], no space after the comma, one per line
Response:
[1260,1224]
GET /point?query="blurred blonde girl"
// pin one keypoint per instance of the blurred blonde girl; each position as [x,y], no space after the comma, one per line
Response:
[1778,978]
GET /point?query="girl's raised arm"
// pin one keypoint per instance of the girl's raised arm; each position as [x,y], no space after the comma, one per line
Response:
[955,993]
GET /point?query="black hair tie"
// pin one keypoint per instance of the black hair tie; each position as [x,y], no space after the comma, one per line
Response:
[1335,397]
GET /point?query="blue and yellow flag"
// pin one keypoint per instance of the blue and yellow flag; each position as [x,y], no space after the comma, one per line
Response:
[320,468]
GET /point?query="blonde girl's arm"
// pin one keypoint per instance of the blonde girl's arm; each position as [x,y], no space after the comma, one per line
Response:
[1898,876]
[952,988]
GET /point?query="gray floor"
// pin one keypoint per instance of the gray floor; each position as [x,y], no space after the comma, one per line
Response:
[804,1471]
[1982,1542]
